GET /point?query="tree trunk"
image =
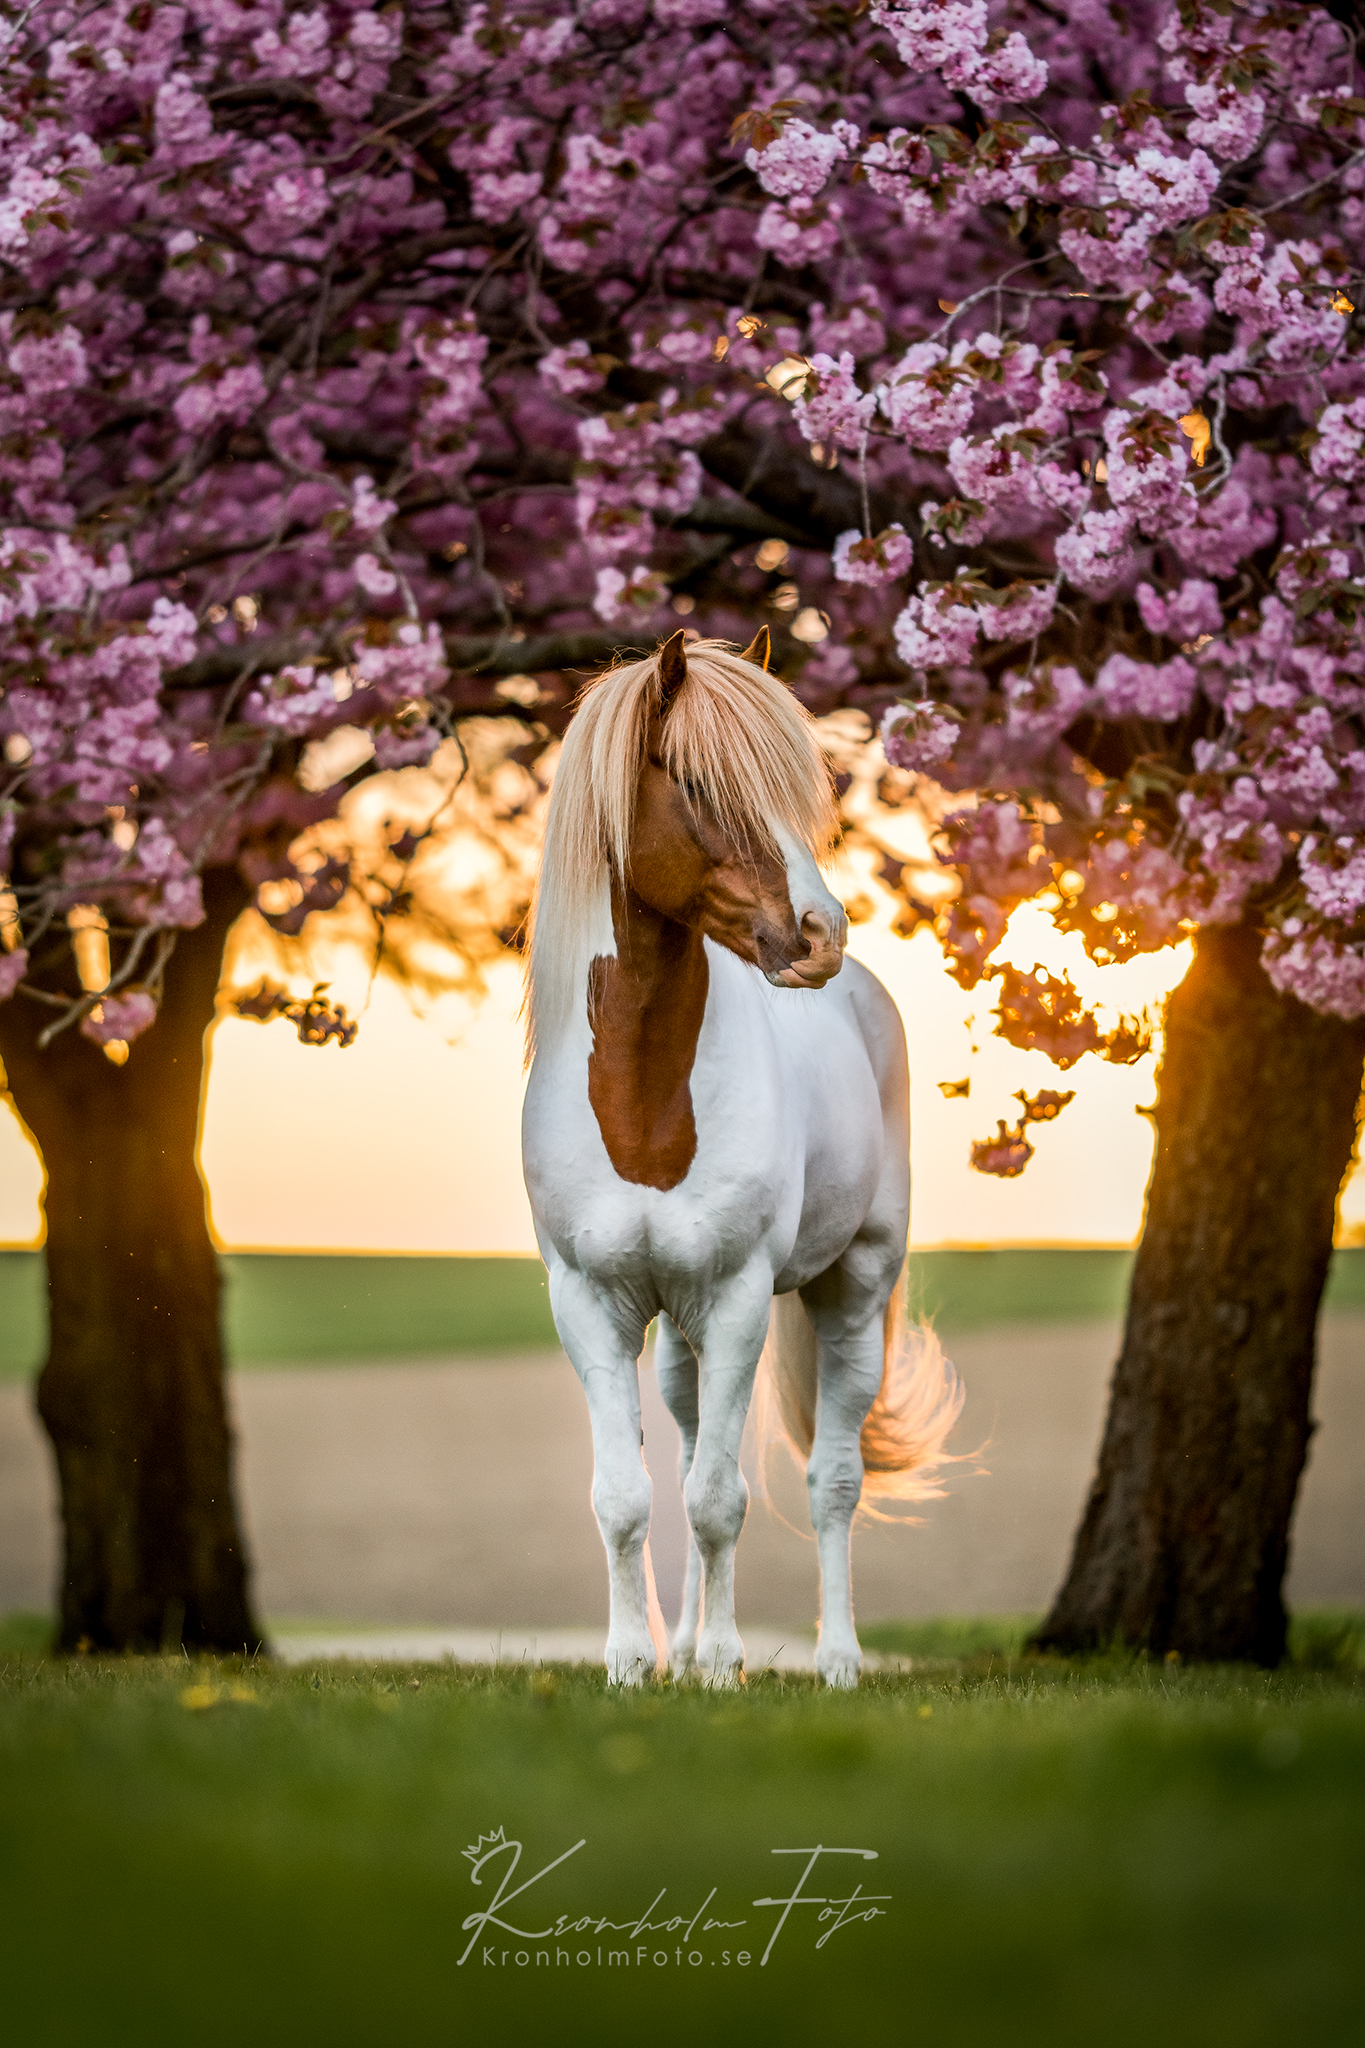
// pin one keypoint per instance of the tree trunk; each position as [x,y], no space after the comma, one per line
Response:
[132,1391]
[1185,1536]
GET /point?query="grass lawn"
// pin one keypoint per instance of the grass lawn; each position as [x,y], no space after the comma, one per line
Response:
[300,1308]
[1109,1851]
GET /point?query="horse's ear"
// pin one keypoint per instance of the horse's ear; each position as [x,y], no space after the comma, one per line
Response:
[760,648]
[672,668]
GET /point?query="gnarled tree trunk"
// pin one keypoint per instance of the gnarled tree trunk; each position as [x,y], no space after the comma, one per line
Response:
[132,1391]
[1185,1537]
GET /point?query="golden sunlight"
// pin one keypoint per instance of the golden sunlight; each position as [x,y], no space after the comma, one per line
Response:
[409,1140]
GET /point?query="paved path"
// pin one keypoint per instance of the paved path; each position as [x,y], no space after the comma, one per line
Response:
[764,1648]
[454,1496]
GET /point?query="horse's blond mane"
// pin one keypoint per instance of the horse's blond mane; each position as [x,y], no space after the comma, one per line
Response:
[733,732]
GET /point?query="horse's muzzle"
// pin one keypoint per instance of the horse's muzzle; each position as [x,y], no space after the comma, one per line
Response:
[820,965]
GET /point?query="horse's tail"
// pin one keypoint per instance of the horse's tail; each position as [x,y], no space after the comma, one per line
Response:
[658,1627]
[919,1400]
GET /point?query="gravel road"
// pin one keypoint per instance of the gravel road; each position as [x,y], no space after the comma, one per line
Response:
[456,1494]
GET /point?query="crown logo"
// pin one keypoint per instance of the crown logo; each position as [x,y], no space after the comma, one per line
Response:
[485,1846]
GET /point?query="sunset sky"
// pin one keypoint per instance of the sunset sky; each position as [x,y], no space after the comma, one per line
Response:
[406,1142]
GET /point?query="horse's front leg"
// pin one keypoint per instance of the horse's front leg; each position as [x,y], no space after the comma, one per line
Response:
[716,1495]
[621,1490]
[676,1364]
[850,1372]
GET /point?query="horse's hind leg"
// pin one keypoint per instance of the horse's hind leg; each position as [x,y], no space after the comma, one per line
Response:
[676,1364]
[621,1491]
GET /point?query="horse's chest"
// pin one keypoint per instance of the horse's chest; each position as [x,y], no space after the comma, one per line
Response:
[781,1149]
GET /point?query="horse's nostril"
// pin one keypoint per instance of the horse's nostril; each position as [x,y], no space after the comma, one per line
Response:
[817,928]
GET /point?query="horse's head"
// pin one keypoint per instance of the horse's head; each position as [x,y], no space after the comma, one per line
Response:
[758,893]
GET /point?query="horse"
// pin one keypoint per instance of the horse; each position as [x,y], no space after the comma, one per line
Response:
[716,1135]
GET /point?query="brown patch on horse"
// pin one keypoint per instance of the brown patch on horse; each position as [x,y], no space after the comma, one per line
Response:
[687,882]
[646,1007]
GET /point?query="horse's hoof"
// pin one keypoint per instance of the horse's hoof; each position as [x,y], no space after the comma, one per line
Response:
[631,1666]
[839,1668]
[682,1660]
[720,1664]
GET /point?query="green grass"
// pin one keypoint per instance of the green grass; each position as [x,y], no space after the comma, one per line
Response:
[1106,1851]
[306,1308]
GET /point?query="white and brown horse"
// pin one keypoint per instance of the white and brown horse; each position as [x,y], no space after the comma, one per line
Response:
[716,1133]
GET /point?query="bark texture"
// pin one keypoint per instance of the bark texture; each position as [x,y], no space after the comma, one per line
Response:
[132,1392]
[1185,1536]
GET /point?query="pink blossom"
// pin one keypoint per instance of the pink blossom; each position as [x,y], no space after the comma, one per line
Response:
[1238,845]
[1317,967]
[918,736]
[182,117]
[798,234]
[1333,871]
[1147,463]
[569,370]
[689,13]
[1026,611]
[831,408]
[1140,689]
[1041,705]
[1219,530]
[373,579]
[997,851]
[369,512]
[855,327]
[932,34]
[1229,121]
[996,472]
[1339,450]
[797,163]
[292,702]
[1096,553]
[930,635]
[951,36]
[1144,883]
[1010,72]
[1005,1155]
[1181,614]
[251,330]
[1171,305]
[410,746]
[926,399]
[13,968]
[49,362]
[1171,189]
[881,559]
[1121,255]
[642,592]
[119,1017]
[222,389]
[499,195]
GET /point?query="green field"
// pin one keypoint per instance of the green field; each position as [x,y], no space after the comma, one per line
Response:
[302,1308]
[1110,1851]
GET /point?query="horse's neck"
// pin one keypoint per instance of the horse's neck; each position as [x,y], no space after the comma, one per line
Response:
[646,1006]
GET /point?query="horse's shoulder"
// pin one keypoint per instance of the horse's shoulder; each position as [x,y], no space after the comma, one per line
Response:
[870,998]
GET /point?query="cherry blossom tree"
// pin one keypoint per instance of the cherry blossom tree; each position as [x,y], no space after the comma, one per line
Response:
[369,371]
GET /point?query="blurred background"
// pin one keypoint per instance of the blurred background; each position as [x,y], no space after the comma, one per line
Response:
[413,1449]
